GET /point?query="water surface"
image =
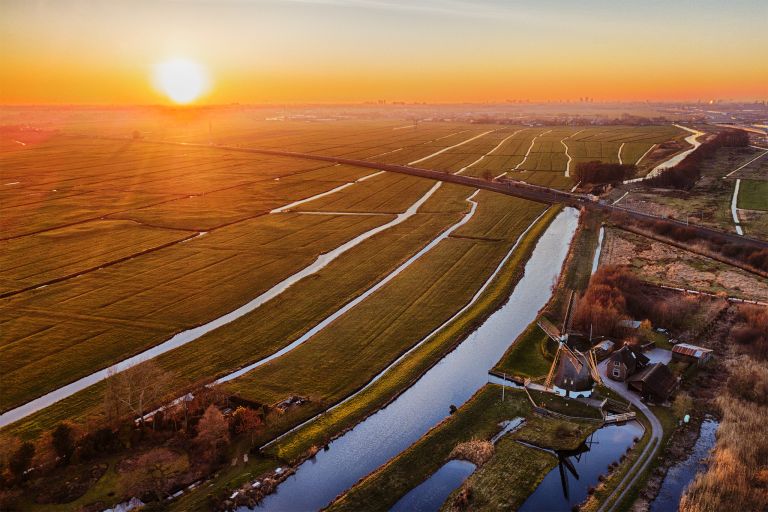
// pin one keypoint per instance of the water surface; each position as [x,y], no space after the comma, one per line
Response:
[451,382]
[430,495]
[561,489]
[681,474]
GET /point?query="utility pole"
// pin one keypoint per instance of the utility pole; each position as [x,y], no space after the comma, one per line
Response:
[503,385]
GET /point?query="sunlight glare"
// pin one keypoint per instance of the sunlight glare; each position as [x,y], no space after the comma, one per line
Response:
[182,80]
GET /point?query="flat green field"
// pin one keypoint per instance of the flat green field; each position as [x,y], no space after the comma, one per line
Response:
[408,308]
[119,244]
[753,195]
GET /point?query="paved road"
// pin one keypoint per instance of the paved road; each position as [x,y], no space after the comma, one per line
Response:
[651,447]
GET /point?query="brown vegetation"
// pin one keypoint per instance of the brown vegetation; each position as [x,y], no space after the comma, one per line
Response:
[212,433]
[615,294]
[685,174]
[744,254]
[737,477]
[598,173]
[155,471]
[134,389]
[750,331]
[187,441]
[476,451]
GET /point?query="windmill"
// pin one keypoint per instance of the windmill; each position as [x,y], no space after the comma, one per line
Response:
[571,370]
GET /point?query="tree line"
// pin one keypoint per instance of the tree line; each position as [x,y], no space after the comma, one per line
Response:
[685,174]
[602,173]
[164,450]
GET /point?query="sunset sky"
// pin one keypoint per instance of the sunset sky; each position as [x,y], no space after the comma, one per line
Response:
[263,51]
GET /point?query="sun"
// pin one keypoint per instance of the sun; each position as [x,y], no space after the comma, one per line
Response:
[182,80]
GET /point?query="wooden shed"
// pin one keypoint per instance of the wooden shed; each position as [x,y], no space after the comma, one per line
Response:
[687,353]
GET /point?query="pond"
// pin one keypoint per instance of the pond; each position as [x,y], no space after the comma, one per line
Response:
[577,470]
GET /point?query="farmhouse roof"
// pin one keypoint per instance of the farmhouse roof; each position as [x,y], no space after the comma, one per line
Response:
[656,379]
[605,345]
[632,359]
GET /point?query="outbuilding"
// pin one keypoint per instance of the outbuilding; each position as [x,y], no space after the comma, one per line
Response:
[656,382]
[687,353]
[603,348]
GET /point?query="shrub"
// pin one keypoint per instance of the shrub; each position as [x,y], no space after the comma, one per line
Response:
[21,459]
[63,441]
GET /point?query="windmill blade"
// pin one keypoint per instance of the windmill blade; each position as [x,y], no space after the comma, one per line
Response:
[549,329]
[569,465]
[550,375]
[593,367]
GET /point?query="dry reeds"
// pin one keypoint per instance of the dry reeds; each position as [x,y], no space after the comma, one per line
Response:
[737,477]
[475,451]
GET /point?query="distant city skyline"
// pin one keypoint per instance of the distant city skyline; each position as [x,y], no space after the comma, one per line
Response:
[349,51]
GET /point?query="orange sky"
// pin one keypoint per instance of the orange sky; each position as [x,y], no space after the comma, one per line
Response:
[257,51]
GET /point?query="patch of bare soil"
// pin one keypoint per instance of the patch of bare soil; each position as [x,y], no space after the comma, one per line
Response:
[70,484]
[660,263]
[638,202]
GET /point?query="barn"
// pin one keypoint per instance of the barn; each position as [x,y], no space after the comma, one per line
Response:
[656,382]
[687,353]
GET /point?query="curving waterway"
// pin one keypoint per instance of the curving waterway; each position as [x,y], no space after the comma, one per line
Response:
[450,382]
[693,140]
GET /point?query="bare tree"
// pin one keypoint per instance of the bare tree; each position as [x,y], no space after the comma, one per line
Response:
[212,431]
[134,390]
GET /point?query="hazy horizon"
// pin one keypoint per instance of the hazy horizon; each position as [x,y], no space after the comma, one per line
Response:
[352,51]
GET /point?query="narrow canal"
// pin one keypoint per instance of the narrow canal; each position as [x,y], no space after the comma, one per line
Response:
[681,474]
[451,382]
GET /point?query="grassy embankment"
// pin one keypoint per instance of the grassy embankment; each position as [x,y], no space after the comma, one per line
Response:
[477,419]
[532,352]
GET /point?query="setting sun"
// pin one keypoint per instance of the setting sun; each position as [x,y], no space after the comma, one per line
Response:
[182,80]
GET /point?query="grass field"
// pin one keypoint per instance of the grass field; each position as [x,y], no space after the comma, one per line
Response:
[114,214]
[398,315]
[753,195]
[108,315]
[241,239]
[141,299]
